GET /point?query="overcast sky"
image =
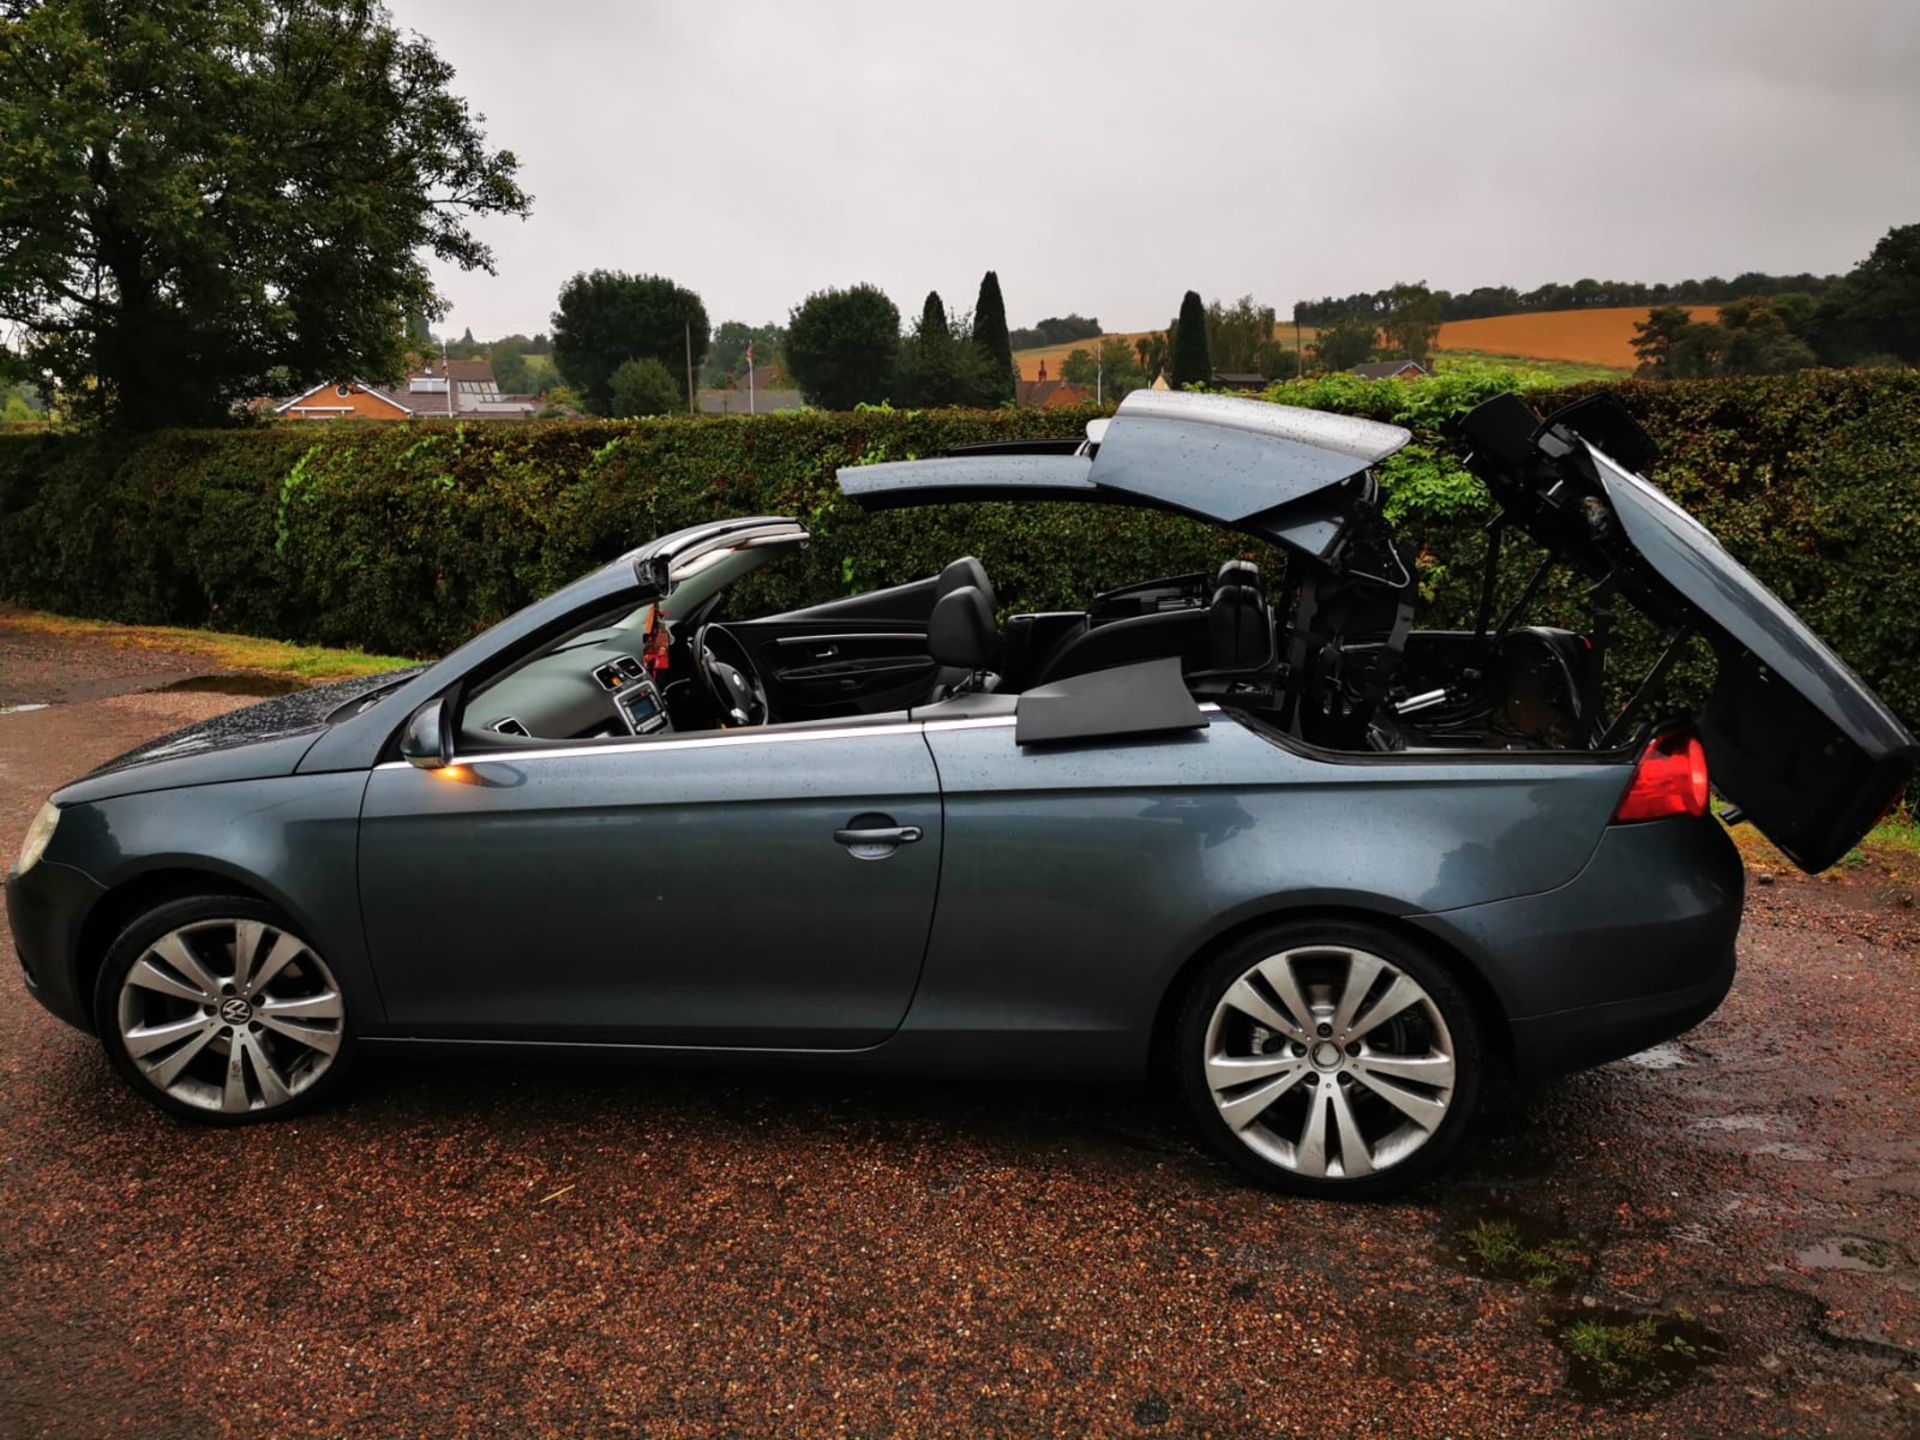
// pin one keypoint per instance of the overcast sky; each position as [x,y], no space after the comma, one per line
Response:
[1105,158]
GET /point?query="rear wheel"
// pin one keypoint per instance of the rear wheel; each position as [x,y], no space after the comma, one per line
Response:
[216,1010]
[1330,1059]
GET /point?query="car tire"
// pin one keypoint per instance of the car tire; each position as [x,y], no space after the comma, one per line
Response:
[209,1039]
[1353,1099]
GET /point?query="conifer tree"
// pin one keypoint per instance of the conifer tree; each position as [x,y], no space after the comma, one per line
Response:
[990,333]
[1191,362]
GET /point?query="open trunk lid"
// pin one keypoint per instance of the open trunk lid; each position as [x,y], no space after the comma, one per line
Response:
[1794,738]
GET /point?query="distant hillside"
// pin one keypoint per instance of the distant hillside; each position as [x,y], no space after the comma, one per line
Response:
[1602,337]
[1588,337]
[1029,360]
[1493,300]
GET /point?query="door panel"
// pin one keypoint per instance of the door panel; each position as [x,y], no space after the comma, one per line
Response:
[817,669]
[677,891]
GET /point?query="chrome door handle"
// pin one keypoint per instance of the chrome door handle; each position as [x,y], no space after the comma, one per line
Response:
[890,835]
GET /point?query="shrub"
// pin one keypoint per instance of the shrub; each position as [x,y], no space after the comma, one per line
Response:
[407,538]
[643,387]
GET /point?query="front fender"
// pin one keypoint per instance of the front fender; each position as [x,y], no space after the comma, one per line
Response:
[292,839]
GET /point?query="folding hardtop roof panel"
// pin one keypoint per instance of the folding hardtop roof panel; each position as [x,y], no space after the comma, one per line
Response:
[1223,458]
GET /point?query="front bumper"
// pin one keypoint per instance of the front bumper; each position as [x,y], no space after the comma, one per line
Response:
[1635,949]
[45,908]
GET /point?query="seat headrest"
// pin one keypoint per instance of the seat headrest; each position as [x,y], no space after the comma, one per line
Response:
[1238,572]
[967,571]
[961,633]
[1239,629]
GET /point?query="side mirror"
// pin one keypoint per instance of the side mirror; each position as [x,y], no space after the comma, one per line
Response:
[428,739]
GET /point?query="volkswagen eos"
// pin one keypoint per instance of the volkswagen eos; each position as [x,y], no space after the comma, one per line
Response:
[1251,831]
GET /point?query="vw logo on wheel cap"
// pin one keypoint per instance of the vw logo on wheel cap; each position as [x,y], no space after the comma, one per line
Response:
[235,1011]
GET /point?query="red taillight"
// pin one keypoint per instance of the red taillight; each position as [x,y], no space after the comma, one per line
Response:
[1671,779]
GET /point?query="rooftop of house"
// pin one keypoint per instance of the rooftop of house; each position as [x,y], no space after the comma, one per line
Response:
[1052,394]
[1388,369]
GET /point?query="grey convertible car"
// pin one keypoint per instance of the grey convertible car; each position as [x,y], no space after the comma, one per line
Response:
[1250,831]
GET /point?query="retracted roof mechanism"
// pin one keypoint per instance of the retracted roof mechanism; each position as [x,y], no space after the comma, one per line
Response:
[1525,461]
[659,566]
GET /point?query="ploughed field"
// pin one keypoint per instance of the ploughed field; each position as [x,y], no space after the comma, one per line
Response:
[1590,337]
[1602,337]
[1055,355]
[1715,1238]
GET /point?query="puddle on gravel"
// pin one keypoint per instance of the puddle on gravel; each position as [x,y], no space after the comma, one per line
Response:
[1504,1245]
[1787,1150]
[1734,1123]
[248,684]
[1849,1252]
[1666,1056]
[1625,1355]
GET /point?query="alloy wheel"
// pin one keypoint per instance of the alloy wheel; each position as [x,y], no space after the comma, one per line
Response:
[230,1015]
[1329,1062]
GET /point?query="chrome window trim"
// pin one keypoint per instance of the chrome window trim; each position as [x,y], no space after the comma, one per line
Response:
[673,742]
[972,722]
[774,736]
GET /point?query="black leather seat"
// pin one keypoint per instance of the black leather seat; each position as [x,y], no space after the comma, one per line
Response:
[1239,629]
[962,635]
[1238,572]
[1199,638]
[1123,642]
[965,571]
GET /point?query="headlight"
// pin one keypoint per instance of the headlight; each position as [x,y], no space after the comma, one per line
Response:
[38,834]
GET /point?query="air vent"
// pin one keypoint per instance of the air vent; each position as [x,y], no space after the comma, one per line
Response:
[507,725]
[619,671]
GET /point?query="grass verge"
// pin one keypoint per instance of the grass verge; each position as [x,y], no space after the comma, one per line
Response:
[1891,849]
[219,650]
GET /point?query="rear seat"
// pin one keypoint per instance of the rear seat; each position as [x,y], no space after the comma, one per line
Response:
[1233,632]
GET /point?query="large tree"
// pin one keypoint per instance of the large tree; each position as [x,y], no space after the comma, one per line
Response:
[608,317]
[1875,312]
[842,346]
[727,356]
[1240,337]
[1192,362]
[1112,370]
[1056,330]
[1345,343]
[1121,373]
[207,200]
[1412,322]
[990,334]
[939,367]
[1155,353]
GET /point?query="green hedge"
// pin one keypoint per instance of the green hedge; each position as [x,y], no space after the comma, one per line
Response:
[408,538]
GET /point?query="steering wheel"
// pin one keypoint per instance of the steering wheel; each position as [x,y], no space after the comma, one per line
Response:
[736,689]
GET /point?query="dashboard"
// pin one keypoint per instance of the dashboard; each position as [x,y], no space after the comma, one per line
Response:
[592,688]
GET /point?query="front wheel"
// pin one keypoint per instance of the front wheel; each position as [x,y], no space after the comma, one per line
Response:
[1330,1059]
[215,1010]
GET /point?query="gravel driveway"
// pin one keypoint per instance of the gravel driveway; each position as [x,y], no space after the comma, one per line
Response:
[1719,1237]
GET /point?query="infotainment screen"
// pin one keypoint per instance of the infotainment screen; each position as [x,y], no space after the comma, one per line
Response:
[641,704]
